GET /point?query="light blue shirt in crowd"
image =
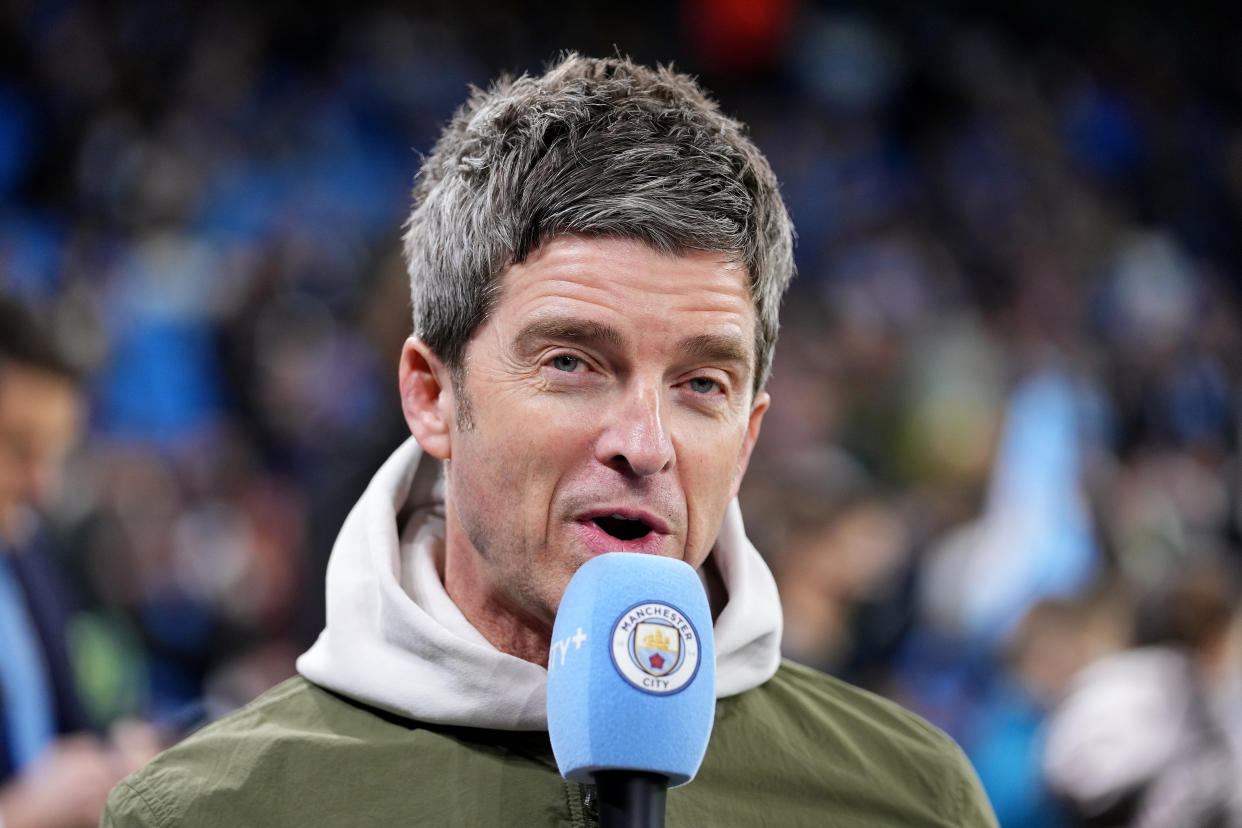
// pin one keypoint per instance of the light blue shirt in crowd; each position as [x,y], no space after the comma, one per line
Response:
[28,712]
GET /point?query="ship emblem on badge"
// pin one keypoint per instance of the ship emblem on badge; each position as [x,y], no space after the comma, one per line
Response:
[655,648]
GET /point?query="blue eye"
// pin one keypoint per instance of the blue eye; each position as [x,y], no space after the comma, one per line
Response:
[703,385]
[565,362]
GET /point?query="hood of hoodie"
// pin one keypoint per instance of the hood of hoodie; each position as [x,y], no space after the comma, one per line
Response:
[395,640]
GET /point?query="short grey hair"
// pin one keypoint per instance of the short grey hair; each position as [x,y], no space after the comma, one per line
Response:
[596,147]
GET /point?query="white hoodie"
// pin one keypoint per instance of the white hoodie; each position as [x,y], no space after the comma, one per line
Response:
[395,640]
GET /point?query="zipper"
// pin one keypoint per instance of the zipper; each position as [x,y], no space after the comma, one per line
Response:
[590,806]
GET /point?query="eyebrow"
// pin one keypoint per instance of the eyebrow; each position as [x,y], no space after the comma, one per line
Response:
[713,348]
[567,329]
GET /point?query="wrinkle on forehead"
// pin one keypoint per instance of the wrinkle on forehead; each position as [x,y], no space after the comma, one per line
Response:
[579,256]
[618,293]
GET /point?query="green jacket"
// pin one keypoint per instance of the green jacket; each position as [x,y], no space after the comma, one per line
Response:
[800,749]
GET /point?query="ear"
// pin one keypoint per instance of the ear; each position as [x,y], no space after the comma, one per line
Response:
[762,401]
[427,398]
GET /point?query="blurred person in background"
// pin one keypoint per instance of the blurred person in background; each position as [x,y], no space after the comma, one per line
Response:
[1055,639]
[835,581]
[53,770]
[1145,735]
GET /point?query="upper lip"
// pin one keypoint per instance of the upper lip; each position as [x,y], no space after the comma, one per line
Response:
[629,513]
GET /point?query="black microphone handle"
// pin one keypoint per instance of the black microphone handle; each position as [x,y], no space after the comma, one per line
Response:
[630,799]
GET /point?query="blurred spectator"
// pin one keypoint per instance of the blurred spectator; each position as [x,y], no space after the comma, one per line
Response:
[1139,737]
[1056,639]
[832,573]
[54,770]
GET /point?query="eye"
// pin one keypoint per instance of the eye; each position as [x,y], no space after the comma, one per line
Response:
[703,385]
[565,362]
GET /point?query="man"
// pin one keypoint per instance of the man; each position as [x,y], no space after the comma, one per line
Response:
[53,772]
[596,258]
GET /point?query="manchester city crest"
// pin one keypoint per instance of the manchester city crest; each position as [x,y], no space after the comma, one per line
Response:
[655,648]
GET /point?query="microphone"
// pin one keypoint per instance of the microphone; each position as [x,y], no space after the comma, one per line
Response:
[632,683]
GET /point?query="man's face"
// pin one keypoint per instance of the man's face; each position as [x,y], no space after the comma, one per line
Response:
[39,417]
[610,410]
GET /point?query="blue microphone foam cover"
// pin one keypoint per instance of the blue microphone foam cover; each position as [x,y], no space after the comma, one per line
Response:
[632,669]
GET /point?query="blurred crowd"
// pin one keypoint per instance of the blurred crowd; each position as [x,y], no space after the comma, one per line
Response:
[999,482]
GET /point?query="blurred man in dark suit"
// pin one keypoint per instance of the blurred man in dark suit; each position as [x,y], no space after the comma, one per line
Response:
[53,770]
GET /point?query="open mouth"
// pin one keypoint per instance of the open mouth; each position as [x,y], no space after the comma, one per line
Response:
[622,528]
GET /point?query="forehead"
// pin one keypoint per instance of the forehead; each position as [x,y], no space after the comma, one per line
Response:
[630,286]
[31,398]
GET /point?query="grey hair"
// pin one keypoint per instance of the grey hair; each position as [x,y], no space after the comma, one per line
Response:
[597,147]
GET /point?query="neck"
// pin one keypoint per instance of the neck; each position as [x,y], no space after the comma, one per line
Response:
[16,528]
[489,608]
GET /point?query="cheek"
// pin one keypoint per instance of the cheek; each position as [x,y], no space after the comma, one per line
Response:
[543,436]
[708,479]
[507,481]
[710,455]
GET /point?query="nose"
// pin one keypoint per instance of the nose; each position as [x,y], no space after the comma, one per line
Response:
[636,440]
[42,482]
[37,479]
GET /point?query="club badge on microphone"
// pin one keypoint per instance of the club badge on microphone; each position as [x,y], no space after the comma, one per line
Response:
[655,648]
[632,645]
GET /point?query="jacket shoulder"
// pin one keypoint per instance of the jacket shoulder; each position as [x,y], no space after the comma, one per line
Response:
[302,755]
[839,710]
[813,742]
[238,757]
